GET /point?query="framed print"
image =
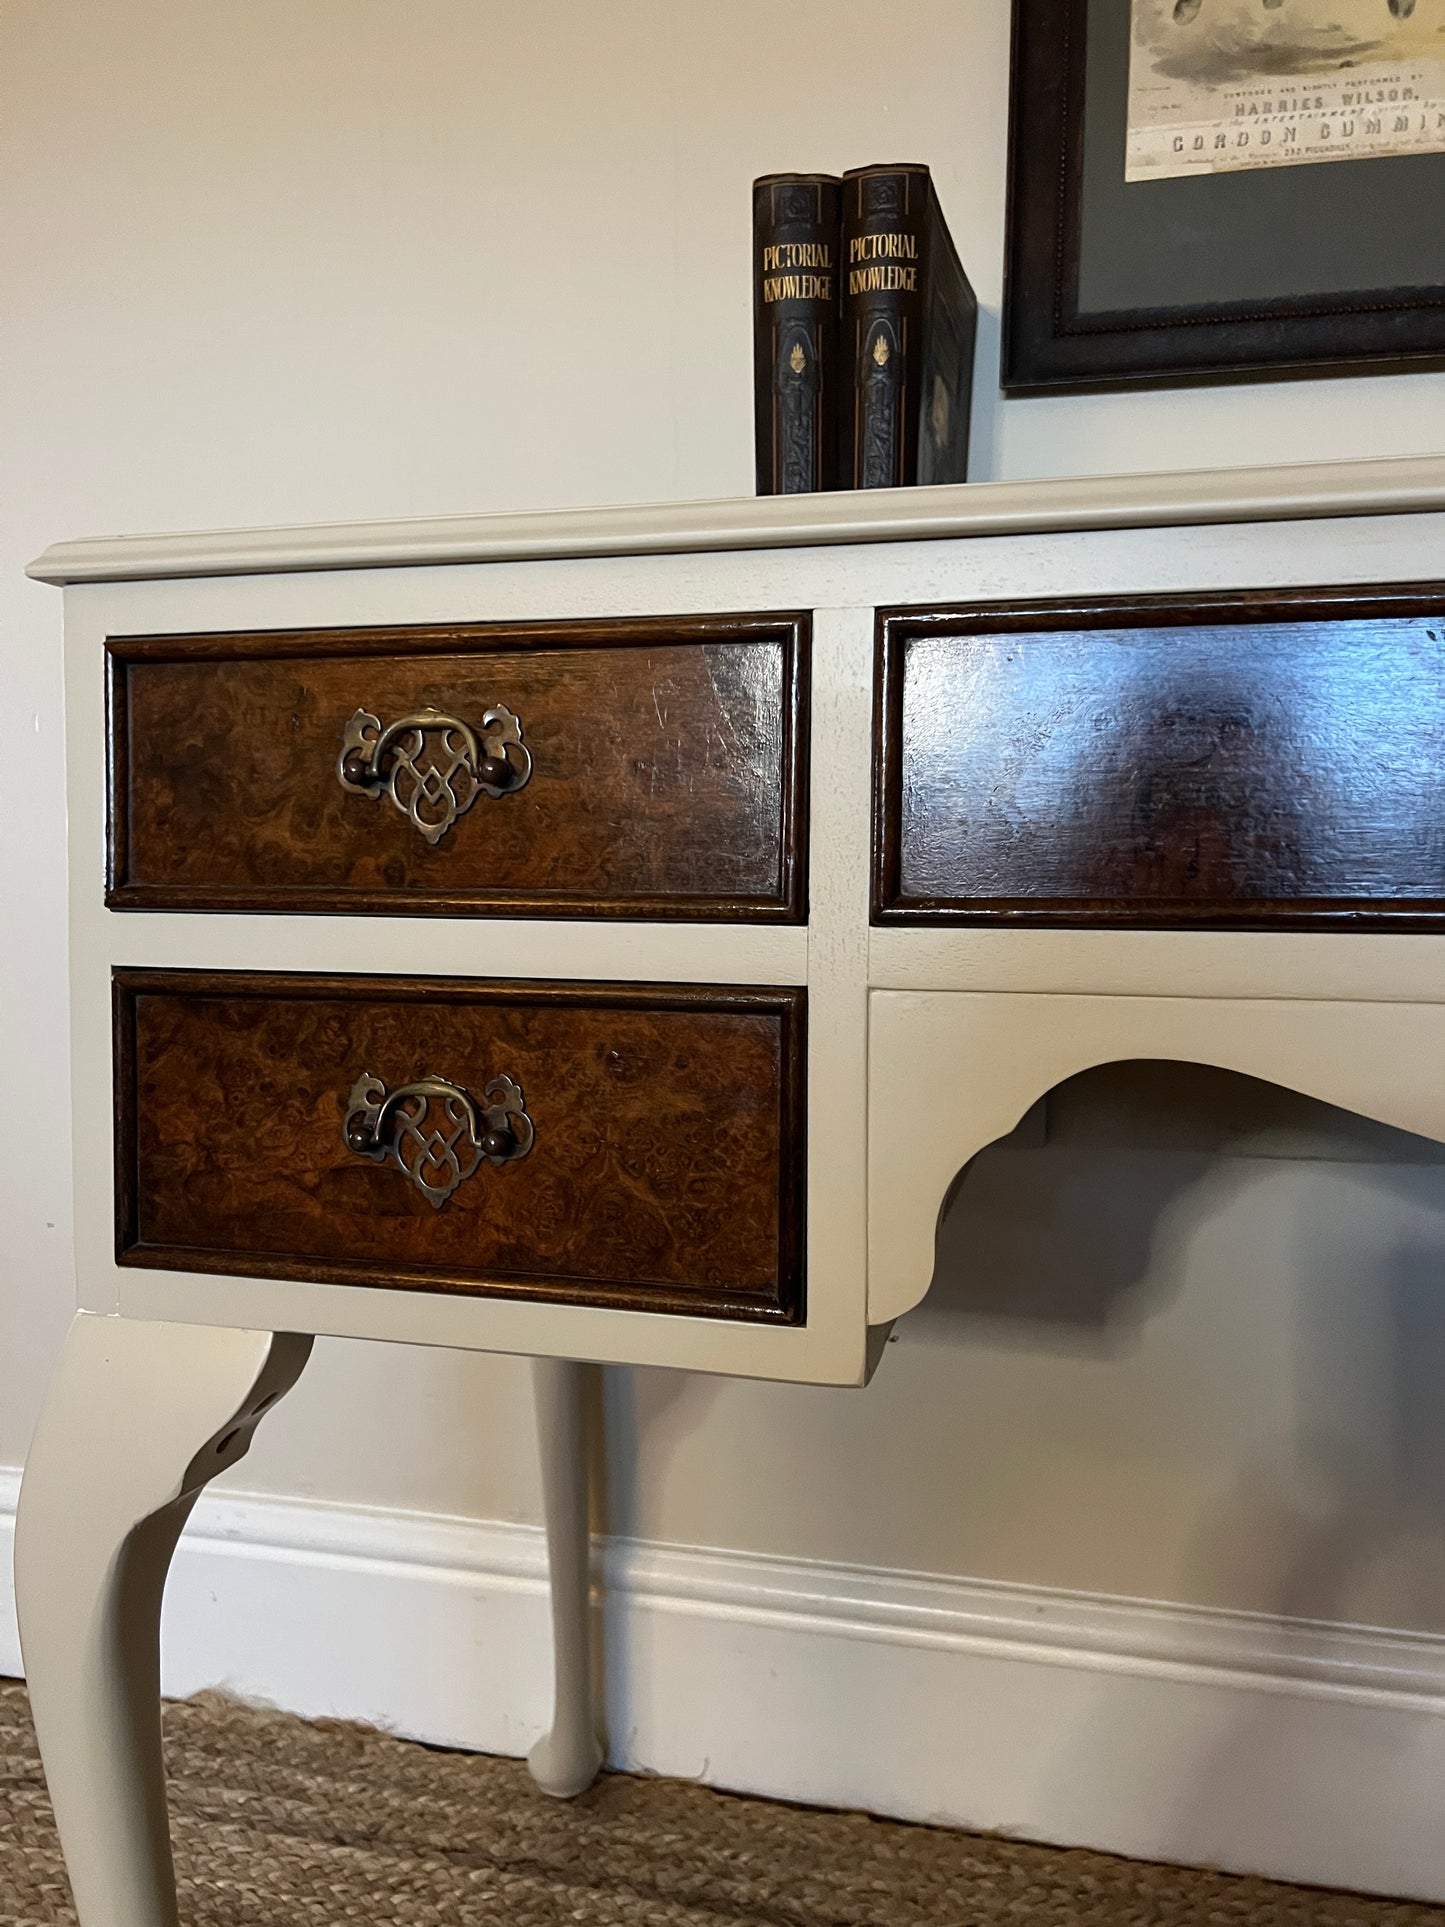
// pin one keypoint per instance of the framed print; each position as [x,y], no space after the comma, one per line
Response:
[1210,189]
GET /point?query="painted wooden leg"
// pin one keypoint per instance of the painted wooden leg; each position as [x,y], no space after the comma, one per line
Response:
[139,1418]
[565,1760]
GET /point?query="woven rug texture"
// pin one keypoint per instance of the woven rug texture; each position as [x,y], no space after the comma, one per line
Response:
[282,1823]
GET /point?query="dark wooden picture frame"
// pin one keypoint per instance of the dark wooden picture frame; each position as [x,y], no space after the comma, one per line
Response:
[1050,342]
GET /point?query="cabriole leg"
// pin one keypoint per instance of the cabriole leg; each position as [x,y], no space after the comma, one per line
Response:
[139,1418]
[566,1759]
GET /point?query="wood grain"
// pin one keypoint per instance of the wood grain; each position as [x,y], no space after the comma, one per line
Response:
[1271,761]
[669,774]
[667,1171]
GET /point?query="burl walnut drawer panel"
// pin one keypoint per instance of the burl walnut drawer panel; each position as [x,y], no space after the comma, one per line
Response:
[633,1146]
[1274,760]
[643,768]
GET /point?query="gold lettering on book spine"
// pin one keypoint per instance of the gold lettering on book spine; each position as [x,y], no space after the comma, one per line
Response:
[883,247]
[797,287]
[882,280]
[797,254]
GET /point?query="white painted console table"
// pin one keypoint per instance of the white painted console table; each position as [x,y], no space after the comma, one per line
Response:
[605,936]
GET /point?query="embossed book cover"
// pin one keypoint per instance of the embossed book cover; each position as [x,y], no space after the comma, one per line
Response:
[795,333]
[909,319]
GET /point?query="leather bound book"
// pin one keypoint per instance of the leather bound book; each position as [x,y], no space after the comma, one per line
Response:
[909,319]
[797,409]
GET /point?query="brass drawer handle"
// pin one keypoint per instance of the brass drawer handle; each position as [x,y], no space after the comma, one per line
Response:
[434,1132]
[434,766]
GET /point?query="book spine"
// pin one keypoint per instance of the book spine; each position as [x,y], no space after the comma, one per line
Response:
[886,233]
[795,332]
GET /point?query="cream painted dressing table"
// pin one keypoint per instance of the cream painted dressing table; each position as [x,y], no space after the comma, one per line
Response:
[605,936]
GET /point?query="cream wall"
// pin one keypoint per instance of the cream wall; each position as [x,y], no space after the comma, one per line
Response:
[290,260]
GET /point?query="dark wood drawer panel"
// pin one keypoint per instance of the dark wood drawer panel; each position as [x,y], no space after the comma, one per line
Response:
[660,1131]
[659,772]
[1265,761]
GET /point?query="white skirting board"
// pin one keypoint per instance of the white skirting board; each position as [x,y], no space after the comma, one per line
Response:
[1312,1752]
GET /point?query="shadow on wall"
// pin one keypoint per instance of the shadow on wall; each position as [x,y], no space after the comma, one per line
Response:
[1367,1530]
[1070,1249]
[1068,1262]
[1359,1535]
[631,1414]
[1078,1258]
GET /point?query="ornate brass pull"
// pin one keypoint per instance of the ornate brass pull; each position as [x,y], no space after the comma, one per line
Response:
[434,1132]
[433,766]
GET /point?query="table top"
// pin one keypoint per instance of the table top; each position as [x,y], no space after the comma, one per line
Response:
[1289,492]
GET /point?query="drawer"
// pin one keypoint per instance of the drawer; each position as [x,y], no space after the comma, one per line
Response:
[1267,760]
[630,1146]
[646,768]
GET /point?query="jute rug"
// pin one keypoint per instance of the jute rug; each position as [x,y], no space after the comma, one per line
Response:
[283,1824]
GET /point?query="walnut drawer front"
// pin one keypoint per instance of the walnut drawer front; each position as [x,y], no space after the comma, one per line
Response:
[1274,760]
[645,768]
[630,1146]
